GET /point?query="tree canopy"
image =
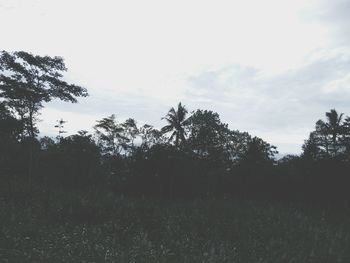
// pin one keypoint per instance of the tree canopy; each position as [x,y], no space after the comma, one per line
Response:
[193,154]
[27,81]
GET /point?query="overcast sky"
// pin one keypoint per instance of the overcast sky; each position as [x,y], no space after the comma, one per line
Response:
[272,67]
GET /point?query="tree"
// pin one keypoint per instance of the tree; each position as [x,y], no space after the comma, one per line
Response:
[27,81]
[237,145]
[176,124]
[346,135]
[311,147]
[131,131]
[207,134]
[73,162]
[111,135]
[334,129]
[259,152]
[10,130]
[151,136]
[328,136]
[10,127]
[211,139]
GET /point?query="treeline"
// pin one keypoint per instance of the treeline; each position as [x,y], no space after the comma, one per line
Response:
[194,155]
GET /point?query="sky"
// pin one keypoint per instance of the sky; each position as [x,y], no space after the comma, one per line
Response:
[271,68]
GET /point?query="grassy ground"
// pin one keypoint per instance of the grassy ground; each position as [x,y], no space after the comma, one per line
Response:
[108,229]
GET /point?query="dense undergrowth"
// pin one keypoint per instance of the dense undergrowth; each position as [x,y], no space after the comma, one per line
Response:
[99,227]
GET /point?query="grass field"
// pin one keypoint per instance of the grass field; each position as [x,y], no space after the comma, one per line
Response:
[108,229]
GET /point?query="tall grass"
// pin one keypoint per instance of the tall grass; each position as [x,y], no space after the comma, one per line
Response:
[104,228]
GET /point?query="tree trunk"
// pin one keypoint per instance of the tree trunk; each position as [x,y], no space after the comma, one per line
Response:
[31,147]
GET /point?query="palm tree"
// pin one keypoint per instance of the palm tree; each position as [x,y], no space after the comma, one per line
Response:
[346,134]
[333,127]
[176,124]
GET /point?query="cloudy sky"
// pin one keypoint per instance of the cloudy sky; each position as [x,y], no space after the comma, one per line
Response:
[270,67]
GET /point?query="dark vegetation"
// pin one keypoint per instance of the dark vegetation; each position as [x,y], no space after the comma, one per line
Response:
[95,227]
[132,189]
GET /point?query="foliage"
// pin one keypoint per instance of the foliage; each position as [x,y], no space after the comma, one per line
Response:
[59,195]
[95,227]
[330,138]
[27,81]
[177,122]
[110,135]
[194,155]
[151,136]
[72,162]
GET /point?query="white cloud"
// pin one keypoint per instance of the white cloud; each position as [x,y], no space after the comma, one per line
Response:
[341,84]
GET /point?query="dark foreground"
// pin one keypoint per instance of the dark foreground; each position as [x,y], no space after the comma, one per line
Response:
[72,228]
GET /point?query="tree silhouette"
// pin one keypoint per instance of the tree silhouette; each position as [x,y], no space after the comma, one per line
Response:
[10,127]
[346,136]
[130,131]
[151,136]
[110,135]
[259,152]
[311,147]
[27,80]
[335,128]
[77,159]
[207,134]
[10,131]
[330,132]
[177,122]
